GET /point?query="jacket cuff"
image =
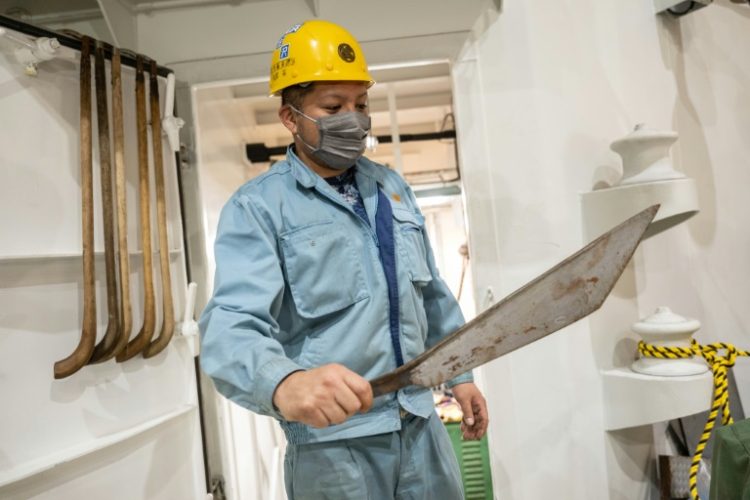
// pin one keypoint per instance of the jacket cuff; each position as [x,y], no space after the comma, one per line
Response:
[464,378]
[271,375]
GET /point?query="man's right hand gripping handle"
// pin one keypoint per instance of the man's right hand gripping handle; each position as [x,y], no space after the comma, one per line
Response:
[322,396]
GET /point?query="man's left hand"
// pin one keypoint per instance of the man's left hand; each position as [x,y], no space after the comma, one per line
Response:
[474,407]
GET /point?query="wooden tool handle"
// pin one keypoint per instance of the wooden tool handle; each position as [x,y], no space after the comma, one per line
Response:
[167,327]
[143,338]
[108,344]
[391,382]
[126,315]
[82,353]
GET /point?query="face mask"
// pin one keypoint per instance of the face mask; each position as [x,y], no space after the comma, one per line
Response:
[342,138]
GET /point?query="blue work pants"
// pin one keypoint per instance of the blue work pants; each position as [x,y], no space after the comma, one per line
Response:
[414,463]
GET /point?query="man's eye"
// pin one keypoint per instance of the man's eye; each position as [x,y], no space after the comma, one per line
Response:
[332,109]
[362,107]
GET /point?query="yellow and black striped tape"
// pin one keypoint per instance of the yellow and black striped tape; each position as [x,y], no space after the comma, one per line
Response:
[719,365]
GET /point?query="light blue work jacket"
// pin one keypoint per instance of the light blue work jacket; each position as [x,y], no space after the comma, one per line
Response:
[299,284]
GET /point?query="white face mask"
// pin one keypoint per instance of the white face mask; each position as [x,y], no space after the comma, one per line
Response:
[341,138]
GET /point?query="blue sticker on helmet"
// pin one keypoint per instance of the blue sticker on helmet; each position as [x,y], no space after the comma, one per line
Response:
[284,52]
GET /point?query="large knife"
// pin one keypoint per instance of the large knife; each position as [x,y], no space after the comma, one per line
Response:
[571,290]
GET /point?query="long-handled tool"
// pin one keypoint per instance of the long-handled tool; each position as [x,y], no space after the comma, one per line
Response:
[566,293]
[143,338]
[108,344]
[80,356]
[167,326]
[126,314]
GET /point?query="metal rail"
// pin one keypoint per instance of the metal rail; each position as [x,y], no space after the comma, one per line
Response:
[127,57]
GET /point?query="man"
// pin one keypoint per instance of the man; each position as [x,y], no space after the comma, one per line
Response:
[324,280]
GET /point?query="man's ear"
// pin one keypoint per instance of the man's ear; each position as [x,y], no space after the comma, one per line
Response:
[288,117]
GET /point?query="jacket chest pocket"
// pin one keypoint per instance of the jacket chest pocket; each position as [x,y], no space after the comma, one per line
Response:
[323,272]
[409,230]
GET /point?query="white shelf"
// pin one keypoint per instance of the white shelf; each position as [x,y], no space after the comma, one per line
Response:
[605,208]
[632,399]
[40,465]
[10,259]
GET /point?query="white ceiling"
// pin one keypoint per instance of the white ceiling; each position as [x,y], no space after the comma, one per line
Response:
[218,40]
[44,7]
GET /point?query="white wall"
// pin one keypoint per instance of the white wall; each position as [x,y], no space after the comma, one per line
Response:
[541,91]
[113,430]
[710,114]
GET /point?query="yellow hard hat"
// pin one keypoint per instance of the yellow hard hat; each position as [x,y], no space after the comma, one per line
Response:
[316,51]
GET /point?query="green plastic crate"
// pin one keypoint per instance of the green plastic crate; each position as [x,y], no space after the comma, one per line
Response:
[474,462]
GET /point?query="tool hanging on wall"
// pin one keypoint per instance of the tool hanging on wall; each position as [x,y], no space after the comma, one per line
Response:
[116,342]
[106,348]
[167,327]
[85,348]
[143,338]
[126,315]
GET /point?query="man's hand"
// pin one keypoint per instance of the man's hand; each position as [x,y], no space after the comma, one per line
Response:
[322,396]
[475,421]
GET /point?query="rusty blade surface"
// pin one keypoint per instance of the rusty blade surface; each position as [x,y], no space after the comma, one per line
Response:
[566,293]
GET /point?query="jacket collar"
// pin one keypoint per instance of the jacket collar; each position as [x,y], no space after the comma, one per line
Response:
[300,171]
[369,168]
